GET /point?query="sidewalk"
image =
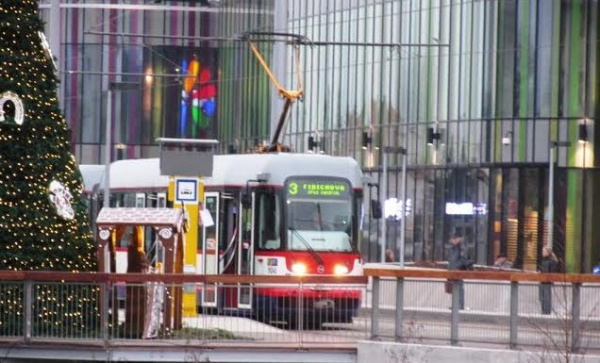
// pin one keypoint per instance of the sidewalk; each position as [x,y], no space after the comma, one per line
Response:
[479,317]
[230,323]
[487,302]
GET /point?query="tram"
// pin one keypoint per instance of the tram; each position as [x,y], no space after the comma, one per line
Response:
[276,214]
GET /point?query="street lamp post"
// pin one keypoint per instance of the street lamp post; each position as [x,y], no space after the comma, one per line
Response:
[393,150]
[112,86]
[403,219]
[107,147]
[382,220]
[553,145]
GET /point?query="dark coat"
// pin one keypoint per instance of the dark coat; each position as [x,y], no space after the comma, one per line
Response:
[548,265]
[457,258]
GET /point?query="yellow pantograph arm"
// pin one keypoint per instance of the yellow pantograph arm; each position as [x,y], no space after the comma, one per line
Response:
[287,94]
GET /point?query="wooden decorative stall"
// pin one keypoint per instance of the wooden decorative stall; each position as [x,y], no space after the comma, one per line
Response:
[144,302]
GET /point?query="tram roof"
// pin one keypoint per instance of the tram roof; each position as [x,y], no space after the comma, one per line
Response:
[137,174]
[236,170]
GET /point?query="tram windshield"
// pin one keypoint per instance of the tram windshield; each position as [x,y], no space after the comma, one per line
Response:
[319,214]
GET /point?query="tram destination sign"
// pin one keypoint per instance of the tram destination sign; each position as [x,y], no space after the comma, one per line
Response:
[318,188]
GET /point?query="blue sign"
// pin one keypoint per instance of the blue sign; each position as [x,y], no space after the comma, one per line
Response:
[186,190]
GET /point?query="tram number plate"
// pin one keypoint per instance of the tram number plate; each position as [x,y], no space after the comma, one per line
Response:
[324,304]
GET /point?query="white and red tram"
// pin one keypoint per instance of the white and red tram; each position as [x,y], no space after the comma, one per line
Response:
[273,214]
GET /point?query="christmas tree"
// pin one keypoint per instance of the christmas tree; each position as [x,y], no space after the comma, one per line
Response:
[43,223]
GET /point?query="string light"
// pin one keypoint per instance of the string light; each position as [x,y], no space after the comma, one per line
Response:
[33,236]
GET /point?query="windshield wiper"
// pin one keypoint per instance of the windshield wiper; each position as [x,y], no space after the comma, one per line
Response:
[309,248]
[320,219]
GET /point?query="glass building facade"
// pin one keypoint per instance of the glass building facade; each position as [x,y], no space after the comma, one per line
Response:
[170,69]
[477,92]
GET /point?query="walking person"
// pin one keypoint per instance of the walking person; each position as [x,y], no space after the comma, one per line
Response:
[549,265]
[458,260]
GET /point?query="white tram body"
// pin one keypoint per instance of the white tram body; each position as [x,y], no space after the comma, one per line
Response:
[271,214]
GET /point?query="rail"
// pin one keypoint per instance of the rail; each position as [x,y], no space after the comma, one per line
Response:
[99,312]
[516,310]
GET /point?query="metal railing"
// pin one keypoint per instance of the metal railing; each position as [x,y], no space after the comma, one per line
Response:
[500,309]
[404,305]
[243,311]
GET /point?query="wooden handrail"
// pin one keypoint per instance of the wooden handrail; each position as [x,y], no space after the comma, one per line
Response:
[482,275]
[55,276]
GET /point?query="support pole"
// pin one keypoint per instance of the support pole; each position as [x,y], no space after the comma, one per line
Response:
[575,317]
[514,315]
[553,145]
[27,310]
[107,146]
[550,197]
[383,197]
[399,309]
[454,318]
[375,308]
[403,219]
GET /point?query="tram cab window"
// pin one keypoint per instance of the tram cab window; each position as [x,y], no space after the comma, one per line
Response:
[343,223]
[326,225]
[319,214]
[269,221]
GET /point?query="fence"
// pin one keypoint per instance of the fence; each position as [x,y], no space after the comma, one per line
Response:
[116,309]
[112,310]
[501,309]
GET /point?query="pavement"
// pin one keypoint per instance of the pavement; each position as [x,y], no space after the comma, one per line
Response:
[427,314]
[230,323]
[488,298]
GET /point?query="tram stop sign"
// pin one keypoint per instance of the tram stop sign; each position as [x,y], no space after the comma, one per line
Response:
[186,190]
[187,157]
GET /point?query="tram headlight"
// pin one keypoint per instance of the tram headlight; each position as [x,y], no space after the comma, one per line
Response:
[340,269]
[299,268]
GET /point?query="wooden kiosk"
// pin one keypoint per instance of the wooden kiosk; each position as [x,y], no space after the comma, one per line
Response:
[145,301]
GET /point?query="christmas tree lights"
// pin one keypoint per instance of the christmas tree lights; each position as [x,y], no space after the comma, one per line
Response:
[43,223]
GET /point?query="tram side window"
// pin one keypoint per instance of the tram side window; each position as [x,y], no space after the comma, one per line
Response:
[129,200]
[269,221]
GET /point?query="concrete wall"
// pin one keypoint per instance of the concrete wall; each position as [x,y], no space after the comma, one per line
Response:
[385,352]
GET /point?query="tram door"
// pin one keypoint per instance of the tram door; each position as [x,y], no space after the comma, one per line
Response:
[228,247]
[210,248]
[235,249]
[246,255]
